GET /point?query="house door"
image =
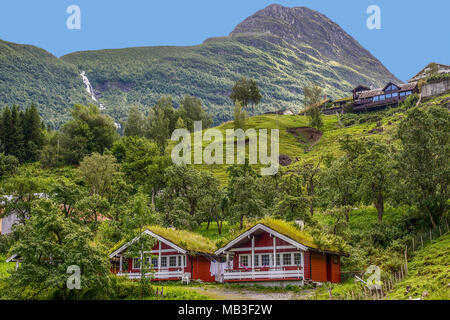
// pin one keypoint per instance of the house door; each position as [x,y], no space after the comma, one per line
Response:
[328,268]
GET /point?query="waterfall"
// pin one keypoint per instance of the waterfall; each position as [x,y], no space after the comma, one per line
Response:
[90,89]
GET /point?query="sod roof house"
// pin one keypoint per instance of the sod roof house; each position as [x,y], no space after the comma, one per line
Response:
[176,253]
[276,251]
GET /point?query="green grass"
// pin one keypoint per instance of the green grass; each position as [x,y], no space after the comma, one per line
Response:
[298,147]
[5,267]
[429,271]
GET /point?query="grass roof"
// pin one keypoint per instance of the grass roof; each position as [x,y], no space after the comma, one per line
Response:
[190,241]
[344,99]
[291,230]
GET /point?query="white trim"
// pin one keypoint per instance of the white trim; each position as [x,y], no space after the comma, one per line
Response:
[267,229]
[261,248]
[271,274]
[12,258]
[153,235]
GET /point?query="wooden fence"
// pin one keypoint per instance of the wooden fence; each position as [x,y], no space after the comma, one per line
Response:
[416,242]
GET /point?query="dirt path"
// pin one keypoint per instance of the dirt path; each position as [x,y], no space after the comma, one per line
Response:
[218,293]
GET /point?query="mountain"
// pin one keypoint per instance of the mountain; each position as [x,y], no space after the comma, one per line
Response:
[32,75]
[282,48]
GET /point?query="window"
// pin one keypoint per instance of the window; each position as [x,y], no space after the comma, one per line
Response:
[388,96]
[136,263]
[155,262]
[163,262]
[408,93]
[383,97]
[244,261]
[287,259]
[278,260]
[297,259]
[172,261]
[256,261]
[265,260]
[376,98]
[402,94]
[395,95]
[392,88]
[179,261]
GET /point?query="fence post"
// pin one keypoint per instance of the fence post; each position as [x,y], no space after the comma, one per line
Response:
[413,247]
[406,260]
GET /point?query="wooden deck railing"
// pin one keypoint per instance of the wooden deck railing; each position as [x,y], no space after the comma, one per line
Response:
[273,273]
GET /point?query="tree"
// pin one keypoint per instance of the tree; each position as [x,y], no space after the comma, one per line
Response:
[244,194]
[98,170]
[139,216]
[134,126]
[142,163]
[246,91]
[187,198]
[158,128]
[21,133]
[312,100]
[33,132]
[422,161]
[338,186]
[89,131]
[375,167]
[310,173]
[191,110]
[67,193]
[8,165]
[48,245]
[91,207]
[239,116]
[293,200]
[27,186]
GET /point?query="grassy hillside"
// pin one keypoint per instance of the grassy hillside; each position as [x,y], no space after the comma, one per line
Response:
[300,146]
[29,74]
[376,125]
[429,271]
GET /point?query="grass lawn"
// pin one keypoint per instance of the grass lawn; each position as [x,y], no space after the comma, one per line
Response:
[4,267]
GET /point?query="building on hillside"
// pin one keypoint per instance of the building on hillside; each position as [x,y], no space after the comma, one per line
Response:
[432,68]
[274,252]
[283,112]
[176,255]
[389,96]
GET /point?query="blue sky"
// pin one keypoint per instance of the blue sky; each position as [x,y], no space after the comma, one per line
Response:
[414,32]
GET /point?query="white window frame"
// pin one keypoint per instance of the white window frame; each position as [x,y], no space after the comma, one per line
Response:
[248,257]
[133,264]
[171,258]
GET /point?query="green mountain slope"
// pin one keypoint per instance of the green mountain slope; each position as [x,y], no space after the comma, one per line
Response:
[283,48]
[429,273]
[29,74]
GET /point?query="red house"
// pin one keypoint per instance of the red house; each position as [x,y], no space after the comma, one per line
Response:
[275,251]
[175,255]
